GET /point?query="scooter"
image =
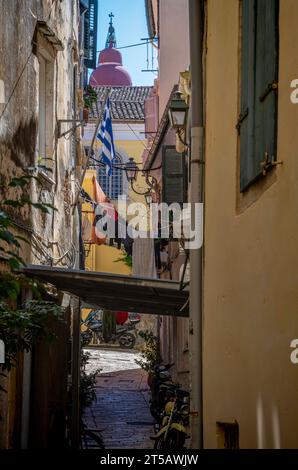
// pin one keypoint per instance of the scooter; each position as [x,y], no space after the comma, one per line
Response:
[173,433]
[123,336]
[162,387]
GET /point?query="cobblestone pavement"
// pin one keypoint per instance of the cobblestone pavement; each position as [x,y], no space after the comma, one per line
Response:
[121,411]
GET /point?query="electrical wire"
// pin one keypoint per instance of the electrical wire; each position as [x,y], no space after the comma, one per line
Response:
[142,142]
[15,85]
[42,248]
[126,47]
[25,64]
[121,166]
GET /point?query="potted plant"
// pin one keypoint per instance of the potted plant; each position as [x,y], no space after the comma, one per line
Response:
[89,97]
[150,354]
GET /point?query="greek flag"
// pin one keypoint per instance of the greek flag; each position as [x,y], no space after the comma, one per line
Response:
[105,135]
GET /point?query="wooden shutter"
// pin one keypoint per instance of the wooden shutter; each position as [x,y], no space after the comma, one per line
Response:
[246,118]
[173,176]
[90,35]
[266,74]
[259,69]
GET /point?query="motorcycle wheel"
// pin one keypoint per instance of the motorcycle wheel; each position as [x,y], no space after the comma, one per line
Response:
[174,441]
[127,340]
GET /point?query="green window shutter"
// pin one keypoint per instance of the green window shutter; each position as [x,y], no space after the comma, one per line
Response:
[90,35]
[259,69]
[266,75]
[247,112]
[173,176]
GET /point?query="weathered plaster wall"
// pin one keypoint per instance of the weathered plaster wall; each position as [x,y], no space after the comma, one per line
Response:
[51,234]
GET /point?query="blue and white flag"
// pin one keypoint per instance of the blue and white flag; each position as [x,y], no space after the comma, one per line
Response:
[105,135]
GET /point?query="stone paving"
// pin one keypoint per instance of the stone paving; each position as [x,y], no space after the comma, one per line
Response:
[121,411]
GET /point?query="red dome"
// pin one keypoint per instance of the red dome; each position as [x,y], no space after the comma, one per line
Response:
[109,71]
[110,75]
[110,55]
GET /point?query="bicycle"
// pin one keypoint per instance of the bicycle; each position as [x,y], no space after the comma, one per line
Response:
[91,438]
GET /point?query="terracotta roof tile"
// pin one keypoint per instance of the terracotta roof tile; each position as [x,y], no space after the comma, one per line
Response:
[127,102]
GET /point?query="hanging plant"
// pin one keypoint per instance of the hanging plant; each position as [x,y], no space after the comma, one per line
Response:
[126,259]
[89,97]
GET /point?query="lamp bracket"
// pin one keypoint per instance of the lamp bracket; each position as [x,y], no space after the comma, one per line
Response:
[181,140]
[78,122]
[152,185]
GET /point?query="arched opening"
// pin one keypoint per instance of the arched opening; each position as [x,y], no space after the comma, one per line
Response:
[112,185]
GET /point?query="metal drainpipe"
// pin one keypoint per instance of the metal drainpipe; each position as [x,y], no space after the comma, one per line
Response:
[196,25]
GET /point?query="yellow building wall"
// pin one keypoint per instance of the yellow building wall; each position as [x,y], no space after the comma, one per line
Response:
[250,251]
[101,258]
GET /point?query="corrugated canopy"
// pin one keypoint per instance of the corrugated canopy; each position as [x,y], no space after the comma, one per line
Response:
[115,291]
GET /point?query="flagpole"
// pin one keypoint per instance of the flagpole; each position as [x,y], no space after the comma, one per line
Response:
[107,92]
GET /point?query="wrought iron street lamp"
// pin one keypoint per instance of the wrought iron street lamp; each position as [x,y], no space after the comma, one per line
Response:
[178,112]
[131,170]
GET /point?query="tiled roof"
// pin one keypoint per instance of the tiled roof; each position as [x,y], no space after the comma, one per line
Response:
[127,103]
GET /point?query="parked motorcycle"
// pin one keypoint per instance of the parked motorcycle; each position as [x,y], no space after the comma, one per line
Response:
[92,320]
[123,334]
[173,433]
[162,388]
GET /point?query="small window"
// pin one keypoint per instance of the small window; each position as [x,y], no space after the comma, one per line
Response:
[73,138]
[2,92]
[112,185]
[227,435]
[42,111]
[46,138]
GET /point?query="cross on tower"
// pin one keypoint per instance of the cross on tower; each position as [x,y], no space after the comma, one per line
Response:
[111,16]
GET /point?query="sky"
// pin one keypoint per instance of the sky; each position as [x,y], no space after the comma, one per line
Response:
[130,26]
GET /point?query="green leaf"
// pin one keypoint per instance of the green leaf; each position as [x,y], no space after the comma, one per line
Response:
[14,263]
[9,238]
[17,257]
[23,239]
[13,203]
[22,181]
[4,220]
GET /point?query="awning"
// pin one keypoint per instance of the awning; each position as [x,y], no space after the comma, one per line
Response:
[115,291]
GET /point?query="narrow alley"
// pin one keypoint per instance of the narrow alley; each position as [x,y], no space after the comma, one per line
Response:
[121,410]
[148,232]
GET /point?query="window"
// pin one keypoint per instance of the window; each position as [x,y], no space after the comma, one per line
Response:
[257,123]
[2,92]
[45,149]
[112,185]
[42,109]
[90,34]
[73,138]
[227,435]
